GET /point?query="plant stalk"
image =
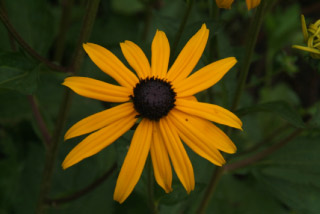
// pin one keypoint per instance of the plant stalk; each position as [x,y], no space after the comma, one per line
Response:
[51,154]
[250,45]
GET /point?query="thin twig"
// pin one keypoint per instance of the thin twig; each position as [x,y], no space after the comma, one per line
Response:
[39,120]
[250,45]
[84,191]
[5,20]
[180,31]
[86,30]
[51,154]
[63,28]
[266,140]
[210,190]
[252,38]
[263,154]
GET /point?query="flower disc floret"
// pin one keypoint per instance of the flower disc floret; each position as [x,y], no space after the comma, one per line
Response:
[153,98]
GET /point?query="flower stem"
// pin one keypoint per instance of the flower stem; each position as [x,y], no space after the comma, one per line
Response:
[63,28]
[87,26]
[39,120]
[153,207]
[250,45]
[210,190]
[275,133]
[263,154]
[51,154]
[181,28]
[84,191]
[5,20]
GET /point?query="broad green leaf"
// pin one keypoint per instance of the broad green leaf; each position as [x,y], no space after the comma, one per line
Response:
[238,194]
[279,108]
[35,23]
[292,174]
[18,73]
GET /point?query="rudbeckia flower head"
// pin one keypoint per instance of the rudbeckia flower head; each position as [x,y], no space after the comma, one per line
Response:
[311,36]
[162,101]
[226,4]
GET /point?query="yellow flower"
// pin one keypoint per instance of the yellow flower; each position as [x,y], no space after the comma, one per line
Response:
[227,3]
[164,102]
[311,37]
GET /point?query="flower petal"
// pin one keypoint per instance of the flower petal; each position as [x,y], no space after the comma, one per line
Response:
[97,89]
[100,120]
[97,141]
[160,160]
[189,56]
[199,145]
[252,3]
[136,58]
[206,132]
[111,65]
[133,164]
[226,4]
[204,78]
[178,154]
[160,53]
[208,111]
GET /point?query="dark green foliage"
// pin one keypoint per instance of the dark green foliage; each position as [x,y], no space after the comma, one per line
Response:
[282,89]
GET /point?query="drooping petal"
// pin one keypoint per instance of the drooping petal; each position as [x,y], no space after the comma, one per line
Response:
[160,160]
[134,162]
[111,65]
[208,111]
[226,4]
[97,141]
[189,56]
[204,78]
[252,3]
[204,131]
[178,154]
[200,146]
[160,53]
[97,89]
[136,58]
[100,120]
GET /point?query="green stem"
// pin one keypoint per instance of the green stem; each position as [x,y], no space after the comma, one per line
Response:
[63,28]
[210,190]
[87,26]
[214,48]
[147,21]
[39,120]
[263,154]
[153,208]
[84,191]
[263,142]
[180,31]
[5,20]
[51,154]
[250,45]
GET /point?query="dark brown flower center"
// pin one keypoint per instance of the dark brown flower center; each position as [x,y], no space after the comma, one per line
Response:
[153,98]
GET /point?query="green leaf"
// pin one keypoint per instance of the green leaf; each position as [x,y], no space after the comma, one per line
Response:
[18,73]
[280,108]
[127,6]
[292,174]
[238,194]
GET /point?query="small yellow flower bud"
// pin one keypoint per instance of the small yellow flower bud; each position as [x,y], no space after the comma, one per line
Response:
[311,37]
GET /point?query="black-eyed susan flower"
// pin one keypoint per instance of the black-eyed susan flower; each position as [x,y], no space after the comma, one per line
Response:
[226,4]
[311,37]
[164,104]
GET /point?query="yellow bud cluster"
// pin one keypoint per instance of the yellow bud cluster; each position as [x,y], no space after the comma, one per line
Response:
[311,37]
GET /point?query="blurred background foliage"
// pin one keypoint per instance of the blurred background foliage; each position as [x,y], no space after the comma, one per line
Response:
[279,107]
